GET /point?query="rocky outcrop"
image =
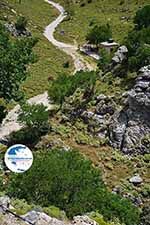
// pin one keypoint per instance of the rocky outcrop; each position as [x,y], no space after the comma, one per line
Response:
[4,203]
[40,218]
[120,55]
[16,32]
[99,119]
[130,126]
[83,220]
[136,180]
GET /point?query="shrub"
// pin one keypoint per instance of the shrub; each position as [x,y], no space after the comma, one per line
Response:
[21,207]
[98,34]
[55,212]
[145,216]
[3,110]
[34,116]
[21,23]
[142,18]
[64,85]
[70,182]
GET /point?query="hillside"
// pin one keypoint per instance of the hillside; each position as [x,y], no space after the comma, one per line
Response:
[50,60]
[86,120]
[119,14]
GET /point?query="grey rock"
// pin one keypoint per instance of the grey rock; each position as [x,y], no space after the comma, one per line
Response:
[120,55]
[105,105]
[31,216]
[17,33]
[83,220]
[136,180]
[130,125]
[4,203]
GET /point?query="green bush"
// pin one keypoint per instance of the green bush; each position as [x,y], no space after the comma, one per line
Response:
[70,182]
[34,116]
[99,34]
[25,136]
[21,23]
[145,215]
[21,207]
[64,85]
[142,18]
[3,110]
[55,212]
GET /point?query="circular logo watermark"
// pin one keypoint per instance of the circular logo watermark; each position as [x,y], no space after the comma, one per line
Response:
[18,158]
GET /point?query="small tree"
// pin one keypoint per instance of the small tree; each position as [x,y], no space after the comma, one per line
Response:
[64,85]
[142,18]
[35,117]
[21,23]
[99,34]
[15,56]
[104,60]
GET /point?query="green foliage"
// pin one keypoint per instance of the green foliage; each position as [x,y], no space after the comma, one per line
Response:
[69,181]
[55,212]
[142,18]
[3,110]
[26,136]
[15,56]
[99,34]
[64,85]
[21,23]
[138,41]
[21,207]
[34,116]
[145,216]
[141,59]
[98,218]
[104,60]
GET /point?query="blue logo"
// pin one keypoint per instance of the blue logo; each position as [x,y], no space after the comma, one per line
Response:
[18,158]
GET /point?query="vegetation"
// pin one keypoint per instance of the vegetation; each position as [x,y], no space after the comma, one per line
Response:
[34,116]
[105,59]
[66,179]
[119,14]
[145,216]
[64,85]
[15,56]
[142,18]
[21,23]
[138,42]
[69,181]
[50,60]
[99,34]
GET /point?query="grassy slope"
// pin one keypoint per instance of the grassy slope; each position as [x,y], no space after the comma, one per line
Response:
[50,60]
[100,11]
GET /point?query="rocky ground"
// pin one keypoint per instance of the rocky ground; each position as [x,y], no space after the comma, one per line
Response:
[8,217]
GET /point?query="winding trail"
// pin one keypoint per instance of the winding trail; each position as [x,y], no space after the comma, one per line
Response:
[79,62]
[10,123]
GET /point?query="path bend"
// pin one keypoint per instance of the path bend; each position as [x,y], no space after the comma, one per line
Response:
[10,123]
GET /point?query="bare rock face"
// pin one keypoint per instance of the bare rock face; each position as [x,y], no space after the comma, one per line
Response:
[120,55]
[136,180]
[17,33]
[83,220]
[99,119]
[4,203]
[129,129]
[40,218]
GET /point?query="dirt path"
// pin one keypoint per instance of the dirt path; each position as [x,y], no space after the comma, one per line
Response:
[10,123]
[79,62]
